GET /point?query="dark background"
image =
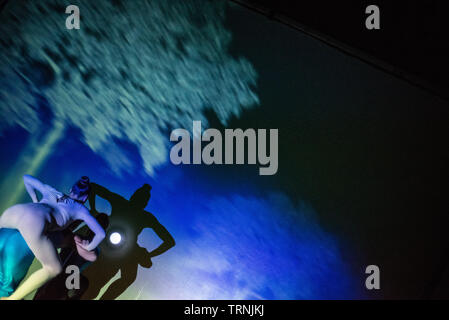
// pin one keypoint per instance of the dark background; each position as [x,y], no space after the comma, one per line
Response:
[412,40]
[370,158]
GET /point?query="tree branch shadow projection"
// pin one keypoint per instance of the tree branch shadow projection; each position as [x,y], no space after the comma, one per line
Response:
[128,218]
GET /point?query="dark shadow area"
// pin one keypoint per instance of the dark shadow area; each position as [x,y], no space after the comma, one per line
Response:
[121,251]
[412,35]
[367,151]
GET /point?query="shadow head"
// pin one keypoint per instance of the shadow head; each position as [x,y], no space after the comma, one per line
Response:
[139,200]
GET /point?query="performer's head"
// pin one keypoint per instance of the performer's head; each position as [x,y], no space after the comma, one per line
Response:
[141,196]
[80,190]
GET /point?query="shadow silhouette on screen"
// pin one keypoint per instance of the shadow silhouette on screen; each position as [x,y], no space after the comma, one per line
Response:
[120,251]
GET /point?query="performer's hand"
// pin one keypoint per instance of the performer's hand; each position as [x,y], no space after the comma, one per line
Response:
[81,246]
[80,242]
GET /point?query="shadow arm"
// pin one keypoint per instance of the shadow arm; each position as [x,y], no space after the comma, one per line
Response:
[97,190]
[164,235]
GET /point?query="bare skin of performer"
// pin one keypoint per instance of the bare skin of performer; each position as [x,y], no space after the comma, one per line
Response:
[55,211]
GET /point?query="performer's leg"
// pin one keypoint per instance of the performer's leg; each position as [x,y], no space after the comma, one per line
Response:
[43,249]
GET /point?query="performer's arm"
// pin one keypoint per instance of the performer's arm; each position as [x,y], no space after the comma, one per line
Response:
[84,215]
[31,185]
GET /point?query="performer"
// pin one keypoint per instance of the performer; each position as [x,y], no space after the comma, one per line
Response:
[72,254]
[55,211]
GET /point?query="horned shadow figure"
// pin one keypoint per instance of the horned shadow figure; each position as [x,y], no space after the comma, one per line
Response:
[128,218]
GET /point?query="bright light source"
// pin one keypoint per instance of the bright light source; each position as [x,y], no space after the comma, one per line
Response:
[115,238]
